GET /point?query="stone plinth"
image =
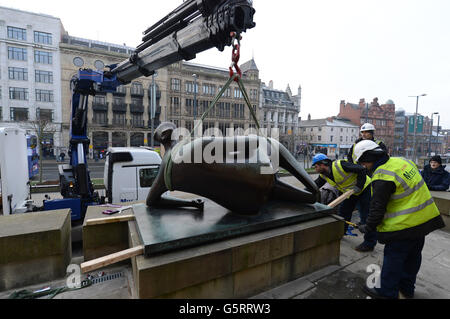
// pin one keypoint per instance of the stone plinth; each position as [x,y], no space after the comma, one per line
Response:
[34,248]
[442,200]
[105,239]
[239,267]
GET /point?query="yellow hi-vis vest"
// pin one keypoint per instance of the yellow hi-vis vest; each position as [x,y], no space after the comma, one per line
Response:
[342,180]
[353,150]
[411,204]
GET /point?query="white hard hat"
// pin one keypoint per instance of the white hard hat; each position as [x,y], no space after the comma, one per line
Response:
[367,127]
[365,146]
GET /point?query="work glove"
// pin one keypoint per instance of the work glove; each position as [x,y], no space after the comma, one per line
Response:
[364,228]
[356,189]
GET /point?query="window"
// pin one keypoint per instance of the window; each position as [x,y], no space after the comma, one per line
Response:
[1,114]
[43,57]
[137,88]
[137,120]
[238,111]
[227,110]
[18,94]
[19,74]
[119,118]
[331,138]
[45,115]
[189,107]
[189,125]
[147,176]
[78,62]
[99,65]
[17,33]
[223,128]
[19,54]
[44,96]
[99,100]
[175,106]
[253,94]
[190,87]
[342,138]
[19,114]
[117,101]
[42,37]
[209,89]
[319,138]
[43,76]
[237,93]
[137,102]
[100,118]
[175,85]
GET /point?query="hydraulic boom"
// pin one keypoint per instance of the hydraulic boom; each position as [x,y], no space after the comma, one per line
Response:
[195,26]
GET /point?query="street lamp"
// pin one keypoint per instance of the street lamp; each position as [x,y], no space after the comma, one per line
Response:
[431,132]
[415,124]
[153,108]
[195,96]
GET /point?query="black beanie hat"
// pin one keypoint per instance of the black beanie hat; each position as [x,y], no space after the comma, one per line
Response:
[436,158]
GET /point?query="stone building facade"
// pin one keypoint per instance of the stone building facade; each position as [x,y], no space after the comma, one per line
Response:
[427,140]
[381,116]
[280,110]
[191,88]
[30,78]
[328,136]
[121,119]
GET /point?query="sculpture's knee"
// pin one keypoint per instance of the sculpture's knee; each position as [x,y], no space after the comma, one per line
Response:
[163,134]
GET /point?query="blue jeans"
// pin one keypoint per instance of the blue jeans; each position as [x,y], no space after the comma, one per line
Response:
[363,201]
[402,260]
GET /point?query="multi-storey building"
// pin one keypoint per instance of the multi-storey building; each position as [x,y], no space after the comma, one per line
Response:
[382,116]
[30,82]
[329,136]
[404,135]
[192,87]
[121,119]
[280,110]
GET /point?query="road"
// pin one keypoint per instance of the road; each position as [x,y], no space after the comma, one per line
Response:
[50,170]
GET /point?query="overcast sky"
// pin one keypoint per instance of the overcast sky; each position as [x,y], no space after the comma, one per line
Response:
[336,50]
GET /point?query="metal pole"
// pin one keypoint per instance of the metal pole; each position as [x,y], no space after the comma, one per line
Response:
[437,143]
[152,144]
[431,132]
[415,130]
[195,97]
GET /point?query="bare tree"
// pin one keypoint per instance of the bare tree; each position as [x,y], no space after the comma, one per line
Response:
[42,126]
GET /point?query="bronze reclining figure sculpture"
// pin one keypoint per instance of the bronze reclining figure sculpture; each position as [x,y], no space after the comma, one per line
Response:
[236,182]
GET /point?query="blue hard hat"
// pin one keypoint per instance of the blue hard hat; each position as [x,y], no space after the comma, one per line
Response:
[318,158]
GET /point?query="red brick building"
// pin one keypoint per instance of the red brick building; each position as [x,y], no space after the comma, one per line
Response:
[382,116]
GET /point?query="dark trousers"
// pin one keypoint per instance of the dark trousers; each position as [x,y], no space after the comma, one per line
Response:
[401,263]
[363,201]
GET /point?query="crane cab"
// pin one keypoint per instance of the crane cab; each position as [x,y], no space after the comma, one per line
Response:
[129,174]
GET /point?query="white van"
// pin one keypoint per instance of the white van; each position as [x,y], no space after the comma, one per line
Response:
[129,174]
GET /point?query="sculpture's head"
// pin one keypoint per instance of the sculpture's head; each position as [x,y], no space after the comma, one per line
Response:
[163,134]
